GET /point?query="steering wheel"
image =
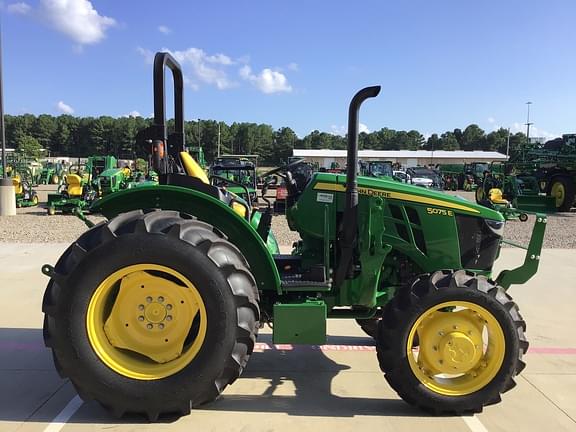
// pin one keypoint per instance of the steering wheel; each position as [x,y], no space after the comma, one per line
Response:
[283,168]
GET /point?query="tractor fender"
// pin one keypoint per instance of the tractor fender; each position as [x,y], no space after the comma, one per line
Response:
[205,208]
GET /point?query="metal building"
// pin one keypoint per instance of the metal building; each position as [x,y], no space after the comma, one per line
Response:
[406,158]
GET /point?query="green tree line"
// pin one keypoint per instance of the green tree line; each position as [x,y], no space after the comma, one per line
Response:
[66,135]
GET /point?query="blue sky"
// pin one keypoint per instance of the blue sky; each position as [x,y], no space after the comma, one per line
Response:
[441,64]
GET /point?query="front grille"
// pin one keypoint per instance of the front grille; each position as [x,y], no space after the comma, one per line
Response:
[479,242]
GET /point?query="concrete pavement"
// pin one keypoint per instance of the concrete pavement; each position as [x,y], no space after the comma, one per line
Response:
[337,387]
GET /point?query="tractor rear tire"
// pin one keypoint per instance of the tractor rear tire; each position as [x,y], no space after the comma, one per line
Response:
[369,326]
[566,186]
[486,377]
[188,256]
[54,179]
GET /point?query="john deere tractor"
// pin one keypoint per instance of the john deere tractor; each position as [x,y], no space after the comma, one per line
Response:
[157,310]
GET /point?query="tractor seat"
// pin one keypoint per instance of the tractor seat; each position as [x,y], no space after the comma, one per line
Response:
[18,188]
[192,168]
[197,179]
[495,195]
[74,185]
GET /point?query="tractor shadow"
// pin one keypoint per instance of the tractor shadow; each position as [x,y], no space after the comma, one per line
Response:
[297,382]
[301,382]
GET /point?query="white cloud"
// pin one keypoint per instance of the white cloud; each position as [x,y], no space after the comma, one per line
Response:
[535,132]
[491,120]
[64,108]
[19,8]
[133,114]
[267,81]
[147,54]
[343,130]
[164,29]
[77,19]
[208,69]
[338,130]
[213,69]
[293,67]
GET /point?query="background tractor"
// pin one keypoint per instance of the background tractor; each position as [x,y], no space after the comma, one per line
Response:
[376,169]
[51,173]
[157,310]
[237,173]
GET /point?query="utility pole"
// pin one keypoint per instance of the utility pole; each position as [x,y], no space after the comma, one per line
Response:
[199,140]
[508,144]
[528,124]
[2,132]
[7,193]
[218,139]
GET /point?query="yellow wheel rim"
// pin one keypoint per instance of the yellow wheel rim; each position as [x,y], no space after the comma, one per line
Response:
[146,321]
[461,348]
[559,193]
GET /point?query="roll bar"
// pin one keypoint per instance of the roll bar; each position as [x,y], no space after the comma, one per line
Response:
[161,143]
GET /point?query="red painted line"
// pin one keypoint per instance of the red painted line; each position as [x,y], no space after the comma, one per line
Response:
[263,346]
[552,350]
[11,346]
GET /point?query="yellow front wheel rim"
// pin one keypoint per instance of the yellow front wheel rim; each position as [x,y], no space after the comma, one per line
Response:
[146,321]
[461,348]
[559,193]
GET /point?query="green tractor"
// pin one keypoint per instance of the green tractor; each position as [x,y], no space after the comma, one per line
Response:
[113,180]
[157,310]
[197,153]
[236,173]
[513,191]
[51,173]
[378,169]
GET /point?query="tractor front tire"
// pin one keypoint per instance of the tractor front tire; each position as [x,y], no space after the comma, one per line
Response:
[369,326]
[151,313]
[454,370]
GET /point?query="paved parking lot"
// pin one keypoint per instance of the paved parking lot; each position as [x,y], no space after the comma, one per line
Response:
[337,387]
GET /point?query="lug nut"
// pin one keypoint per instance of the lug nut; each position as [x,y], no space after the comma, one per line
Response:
[149,299]
[149,326]
[161,326]
[169,318]
[160,299]
[455,327]
[141,307]
[440,333]
[140,318]
[169,306]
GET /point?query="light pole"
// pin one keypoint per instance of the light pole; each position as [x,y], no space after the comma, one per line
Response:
[218,139]
[7,193]
[528,124]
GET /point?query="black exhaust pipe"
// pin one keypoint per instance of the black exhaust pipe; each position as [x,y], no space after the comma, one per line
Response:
[164,147]
[348,232]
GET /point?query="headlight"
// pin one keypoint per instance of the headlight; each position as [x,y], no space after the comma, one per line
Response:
[497,227]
